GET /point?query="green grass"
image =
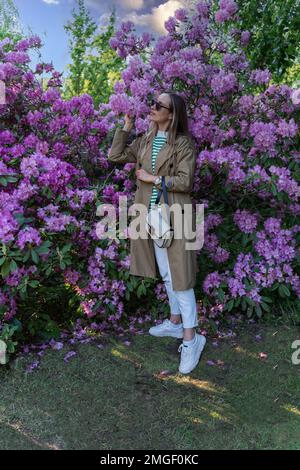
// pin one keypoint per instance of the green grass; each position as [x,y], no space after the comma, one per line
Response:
[115,398]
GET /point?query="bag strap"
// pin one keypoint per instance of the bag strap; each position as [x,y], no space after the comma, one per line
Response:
[164,191]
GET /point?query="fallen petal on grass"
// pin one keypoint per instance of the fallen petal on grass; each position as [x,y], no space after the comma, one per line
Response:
[263,355]
[220,363]
[210,363]
[32,366]
[164,373]
[69,355]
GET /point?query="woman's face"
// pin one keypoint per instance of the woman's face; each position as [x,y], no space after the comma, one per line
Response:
[162,116]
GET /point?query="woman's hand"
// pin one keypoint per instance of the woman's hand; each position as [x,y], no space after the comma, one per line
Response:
[129,123]
[144,176]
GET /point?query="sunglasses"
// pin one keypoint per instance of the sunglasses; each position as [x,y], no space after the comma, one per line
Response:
[158,105]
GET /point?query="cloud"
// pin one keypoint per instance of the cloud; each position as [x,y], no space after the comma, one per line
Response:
[123,4]
[156,19]
[132,4]
[155,12]
[51,2]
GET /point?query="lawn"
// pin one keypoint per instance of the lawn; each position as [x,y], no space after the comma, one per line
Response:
[117,397]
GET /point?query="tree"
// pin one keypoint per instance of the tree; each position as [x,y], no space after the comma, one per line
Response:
[275,33]
[81,30]
[9,20]
[95,66]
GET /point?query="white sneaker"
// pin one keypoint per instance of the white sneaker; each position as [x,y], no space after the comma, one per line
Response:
[167,328]
[190,355]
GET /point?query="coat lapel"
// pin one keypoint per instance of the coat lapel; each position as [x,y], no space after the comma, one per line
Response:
[163,155]
[146,156]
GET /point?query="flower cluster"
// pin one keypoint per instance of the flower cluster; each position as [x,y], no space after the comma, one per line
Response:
[246,136]
[47,201]
[246,170]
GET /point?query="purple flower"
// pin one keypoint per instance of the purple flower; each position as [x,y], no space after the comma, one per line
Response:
[34,365]
[260,76]
[246,221]
[210,363]
[28,235]
[69,355]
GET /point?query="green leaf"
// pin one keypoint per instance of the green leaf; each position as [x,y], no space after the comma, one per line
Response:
[5,270]
[11,347]
[213,326]
[244,239]
[23,220]
[267,299]
[11,179]
[17,324]
[34,256]
[139,290]
[274,189]
[250,301]
[34,283]
[66,248]
[275,286]
[249,312]
[258,311]
[26,256]
[13,265]
[229,305]
[143,288]
[48,271]
[42,249]
[221,295]
[284,291]
[265,306]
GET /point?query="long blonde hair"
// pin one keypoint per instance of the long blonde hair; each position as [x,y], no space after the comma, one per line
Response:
[179,123]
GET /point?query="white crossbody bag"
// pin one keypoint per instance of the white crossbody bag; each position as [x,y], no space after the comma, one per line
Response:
[159,228]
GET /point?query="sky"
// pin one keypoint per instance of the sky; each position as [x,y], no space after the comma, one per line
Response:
[47,18]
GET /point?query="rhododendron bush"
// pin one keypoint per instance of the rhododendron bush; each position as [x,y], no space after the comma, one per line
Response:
[247,135]
[48,204]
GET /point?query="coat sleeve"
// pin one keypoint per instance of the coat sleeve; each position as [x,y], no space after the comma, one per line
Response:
[120,151]
[183,181]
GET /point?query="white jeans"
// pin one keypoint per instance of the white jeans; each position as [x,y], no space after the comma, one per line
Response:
[181,301]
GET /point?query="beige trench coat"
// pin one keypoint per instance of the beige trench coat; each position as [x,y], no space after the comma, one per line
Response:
[177,163]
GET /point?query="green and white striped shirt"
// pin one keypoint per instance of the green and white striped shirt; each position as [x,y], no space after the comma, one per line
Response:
[158,141]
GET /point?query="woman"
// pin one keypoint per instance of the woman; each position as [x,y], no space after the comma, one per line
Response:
[166,149]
